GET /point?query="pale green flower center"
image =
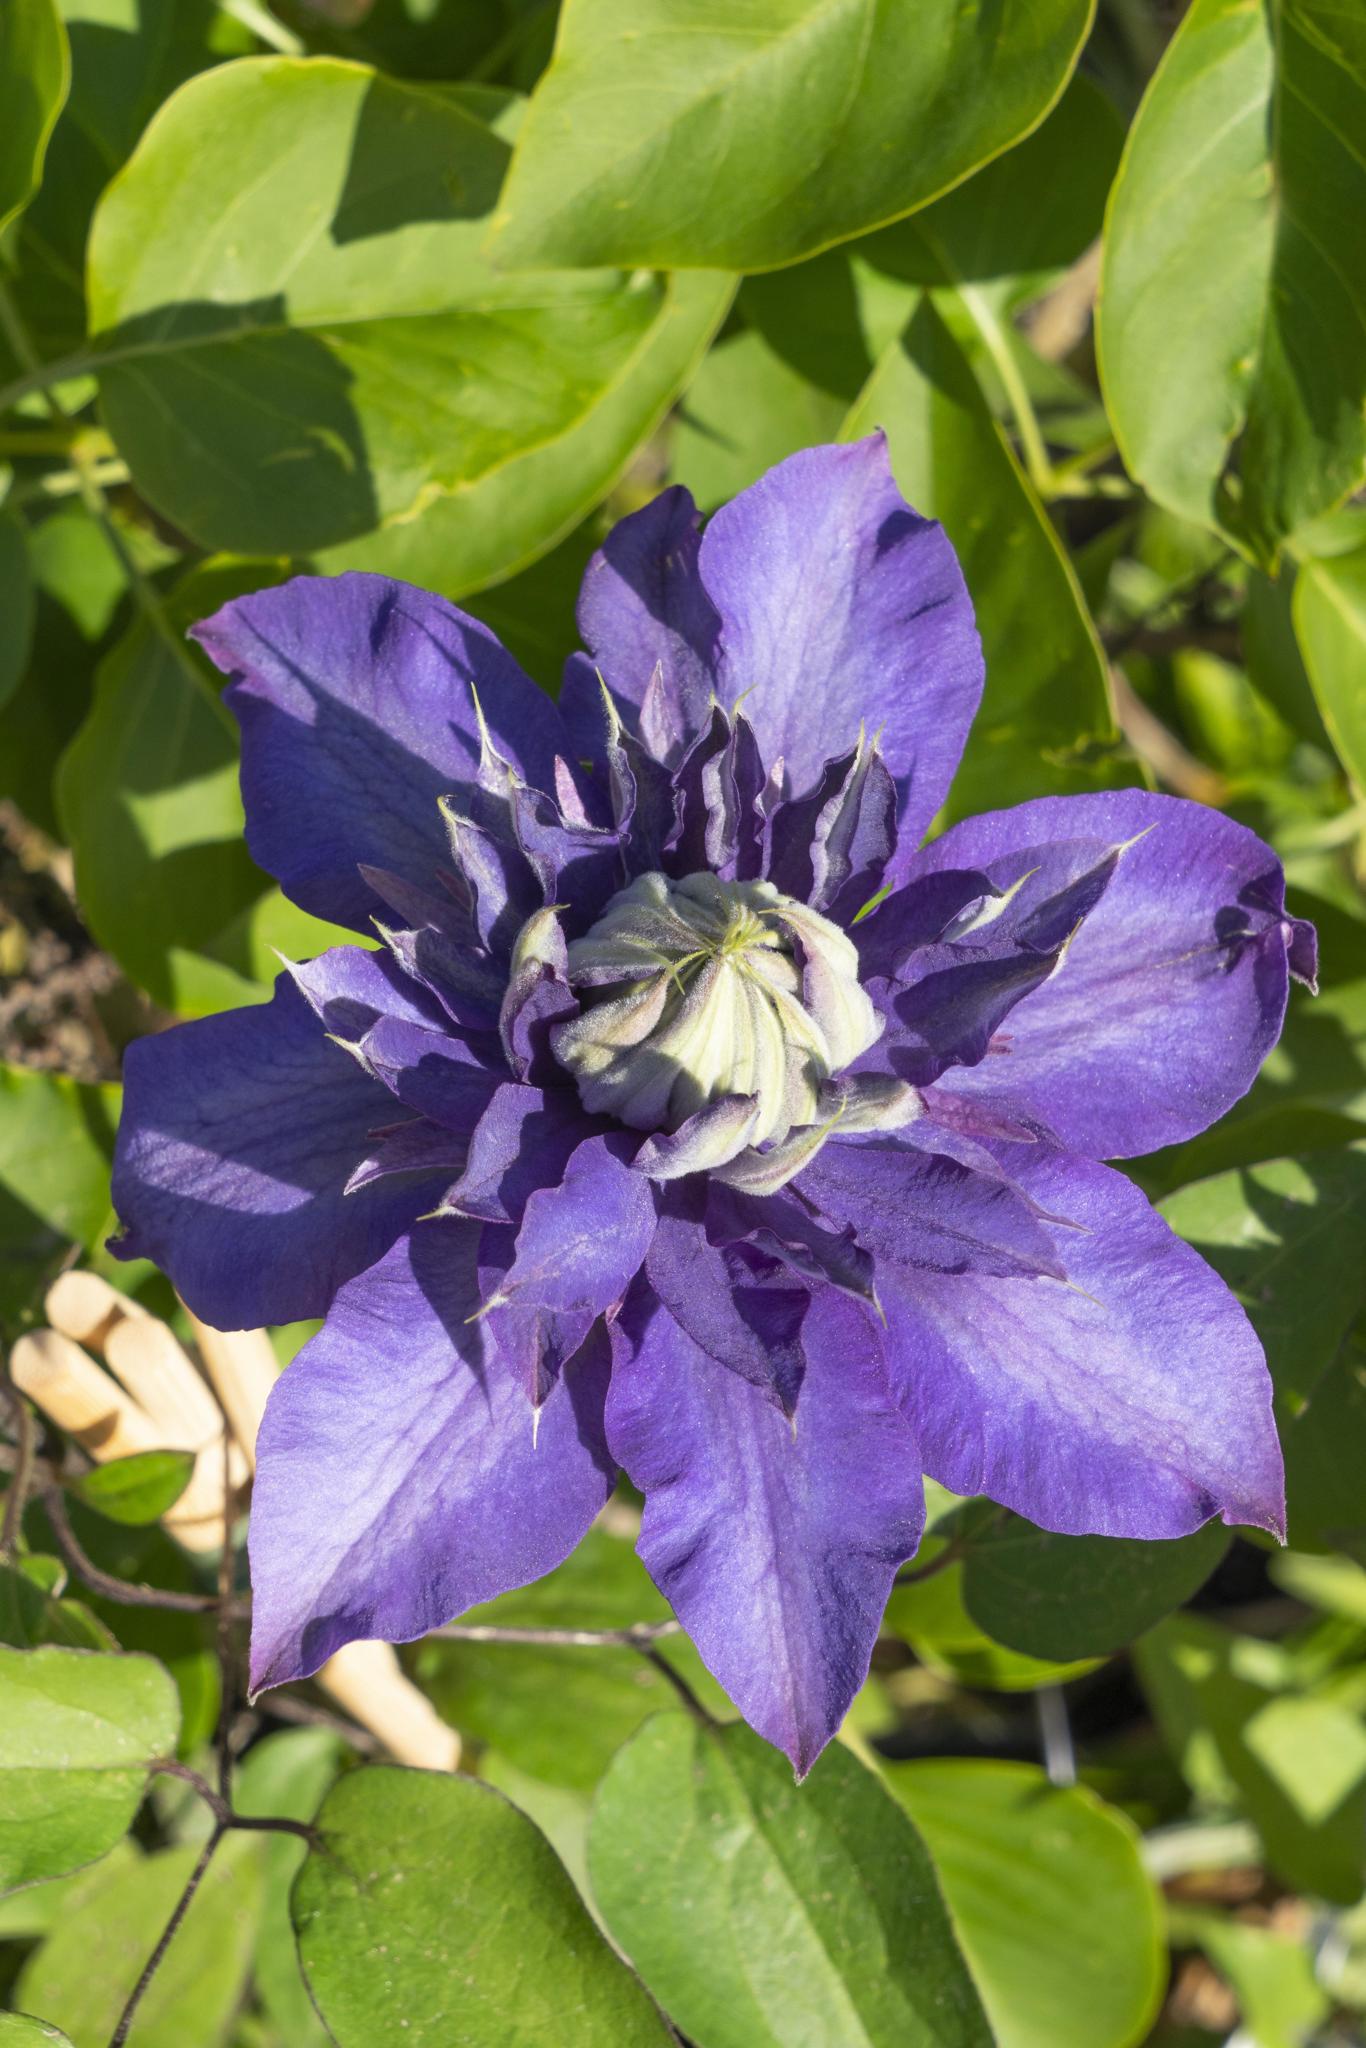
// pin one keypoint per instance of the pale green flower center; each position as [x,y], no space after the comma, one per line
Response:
[701,989]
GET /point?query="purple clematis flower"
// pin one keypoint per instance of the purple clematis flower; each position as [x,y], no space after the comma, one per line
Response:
[634,1145]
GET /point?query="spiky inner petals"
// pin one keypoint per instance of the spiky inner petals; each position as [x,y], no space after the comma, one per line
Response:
[701,989]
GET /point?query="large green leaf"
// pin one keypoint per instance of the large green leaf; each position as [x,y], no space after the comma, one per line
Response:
[1330,625]
[34,72]
[148,797]
[477,533]
[666,132]
[291,359]
[1047,1889]
[931,1617]
[1046,688]
[1079,1596]
[80,1731]
[1233,297]
[766,1914]
[1286,1235]
[434,1912]
[109,1926]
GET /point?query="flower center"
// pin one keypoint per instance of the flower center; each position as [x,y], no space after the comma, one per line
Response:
[700,989]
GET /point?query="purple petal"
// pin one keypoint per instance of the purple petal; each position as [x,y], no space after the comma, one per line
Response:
[415,1146]
[445,1077]
[580,1244]
[911,1209]
[354,698]
[522,1142]
[642,607]
[349,988]
[839,605]
[400,1480]
[1171,994]
[1130,1400]
[737,1303]
[776,1545]
[238,1137]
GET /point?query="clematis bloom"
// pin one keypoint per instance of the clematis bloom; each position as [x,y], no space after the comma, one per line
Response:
[639,1142]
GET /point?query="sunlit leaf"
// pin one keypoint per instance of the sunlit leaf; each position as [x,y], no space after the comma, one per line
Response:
[34,71]
[292,360]
[433,1911]
[766,1914]
[668,133]
[1330,624]
[139,1488]
[80,1731]
[1047,1889]
[1233,296]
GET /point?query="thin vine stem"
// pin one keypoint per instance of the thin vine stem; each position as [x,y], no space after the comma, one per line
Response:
[168,1934]
[126,1594]
[16,1499]
[222,1809]
[637,1635]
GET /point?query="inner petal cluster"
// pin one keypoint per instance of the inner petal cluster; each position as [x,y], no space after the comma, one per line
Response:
[702,989]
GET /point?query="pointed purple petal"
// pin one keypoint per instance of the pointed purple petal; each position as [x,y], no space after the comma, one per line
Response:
[642,607]
[776,1545]
[580,1244]
[1173,990]
[399,1479]
[354,697]
[1130,1400]
[911,1209]
[739,1304]
[839,605]
[522,1142]
[238,1136]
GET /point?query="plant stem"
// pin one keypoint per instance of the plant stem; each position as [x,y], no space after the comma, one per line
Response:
[638,1636]
[168,1934]
[16,1498]
[118,1590]
[263,24]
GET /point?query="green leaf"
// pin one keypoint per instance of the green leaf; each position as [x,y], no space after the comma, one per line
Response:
[1046,690]
[1047,1889]
[1246,318]
[288,361]
[667,133]
[1064,1597]
[480,532]
[766,1914]
[1325,1455]
[1330,625]
[931,1617]
[56,1138]
[745,410]
[1296,1763]
[433,1911]
[1286,1236]
[16,603]
[80,1731]
[149,801]
[139,1488]
[108,1928]
[34,72]
[19,2030]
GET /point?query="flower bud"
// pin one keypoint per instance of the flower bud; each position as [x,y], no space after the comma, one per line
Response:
[701,990]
